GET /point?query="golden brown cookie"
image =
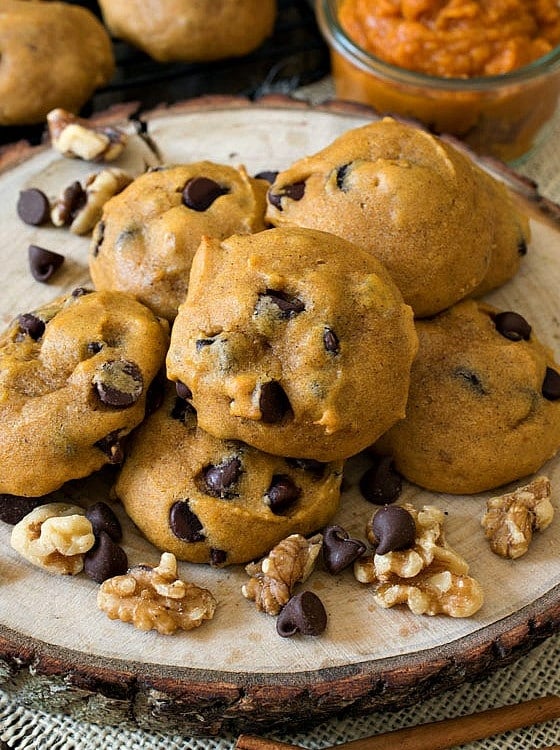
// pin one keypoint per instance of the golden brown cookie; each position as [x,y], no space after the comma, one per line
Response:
[484,402]
[148,233]
[433,217]
[218,501]
[191,30]
[293,341]
[74,376]
[53,55]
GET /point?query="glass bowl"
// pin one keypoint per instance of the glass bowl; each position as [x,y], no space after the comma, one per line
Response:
[502,116]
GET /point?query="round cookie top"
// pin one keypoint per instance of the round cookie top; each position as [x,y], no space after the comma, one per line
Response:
[74,377]
[416,203]
[294,341]
[484,402]
[53,55]
[218,501]
[148,233]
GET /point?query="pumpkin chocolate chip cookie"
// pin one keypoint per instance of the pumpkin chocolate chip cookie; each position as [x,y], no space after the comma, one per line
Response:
[74,376]
[294,341]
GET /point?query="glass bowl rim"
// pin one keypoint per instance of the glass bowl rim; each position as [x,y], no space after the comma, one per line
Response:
[342,43]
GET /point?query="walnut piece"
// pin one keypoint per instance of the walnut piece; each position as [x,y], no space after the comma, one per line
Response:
[274,577]
[430,577]
[511,519]
[55,537]
[80,207]
[155,598]
[75,137]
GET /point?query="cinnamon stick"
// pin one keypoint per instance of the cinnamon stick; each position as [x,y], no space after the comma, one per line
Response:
[438,735]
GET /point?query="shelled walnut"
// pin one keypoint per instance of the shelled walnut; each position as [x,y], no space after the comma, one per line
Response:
[511,519]
[55,537]
[155,598]
[274,577]
[430,577]
[77,138]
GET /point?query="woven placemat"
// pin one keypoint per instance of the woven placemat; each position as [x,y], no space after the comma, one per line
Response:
[534,675]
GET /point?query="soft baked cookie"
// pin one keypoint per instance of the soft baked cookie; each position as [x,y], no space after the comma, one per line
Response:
[74,376]
[294,341]
[148,233]
[427,212]
[53,55]
[484,402]
[218,501]
[191,30]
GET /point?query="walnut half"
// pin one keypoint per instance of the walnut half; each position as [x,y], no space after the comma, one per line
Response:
[75,137]
[511,519]
[155,598]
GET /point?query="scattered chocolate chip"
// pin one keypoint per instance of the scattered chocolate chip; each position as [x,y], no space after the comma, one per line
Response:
[513,326]
[339,549]
[381,484]
[268,175]
[296,191]
[119,383]
[218,480]
[98,237]
[273,402]
[182,409]
[311,465]
[282,493]
[31,325]
[15,507]
[330,341]
[183,391]
[522,247]
[471,379]
[105,559]
[184,523]
[110,445]
[201,343]
[33,207]
[200,192]
[341,173]
[304,613]
[394,529]
[43,263]
[102,517]
[218,557]
[73,199]
[289,306]
[551,385]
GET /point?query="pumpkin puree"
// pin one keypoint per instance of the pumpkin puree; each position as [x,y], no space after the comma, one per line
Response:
[453,38]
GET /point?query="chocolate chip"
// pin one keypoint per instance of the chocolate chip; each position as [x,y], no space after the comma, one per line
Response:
[282,493]
[110,445]
[471,379]
[98,237]
[273,402]
[119,383]
[268,175]
[31,325]
[381,483]
[393,528]
[289,306]
[311,465]
[200,192]
[184,523]
[218,557]
[33,207]
[202,343]
[182,409]
[330,341]
[105,559]
[218,480]
[43,263]
[513,326]
[341,173]
[102,517]
[296,191]
[339,549]
[94,347]
[183,391]
[551,385]
[15,507]
[304,613]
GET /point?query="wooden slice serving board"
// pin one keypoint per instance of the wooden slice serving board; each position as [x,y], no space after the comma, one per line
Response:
[59,652]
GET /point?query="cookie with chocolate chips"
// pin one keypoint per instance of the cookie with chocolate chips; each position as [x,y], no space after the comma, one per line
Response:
[74,378]
[443,228]
[294,341]
[218,501]
[484,403]
[148,233]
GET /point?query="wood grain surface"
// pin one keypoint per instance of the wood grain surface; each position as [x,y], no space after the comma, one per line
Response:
[59,652]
